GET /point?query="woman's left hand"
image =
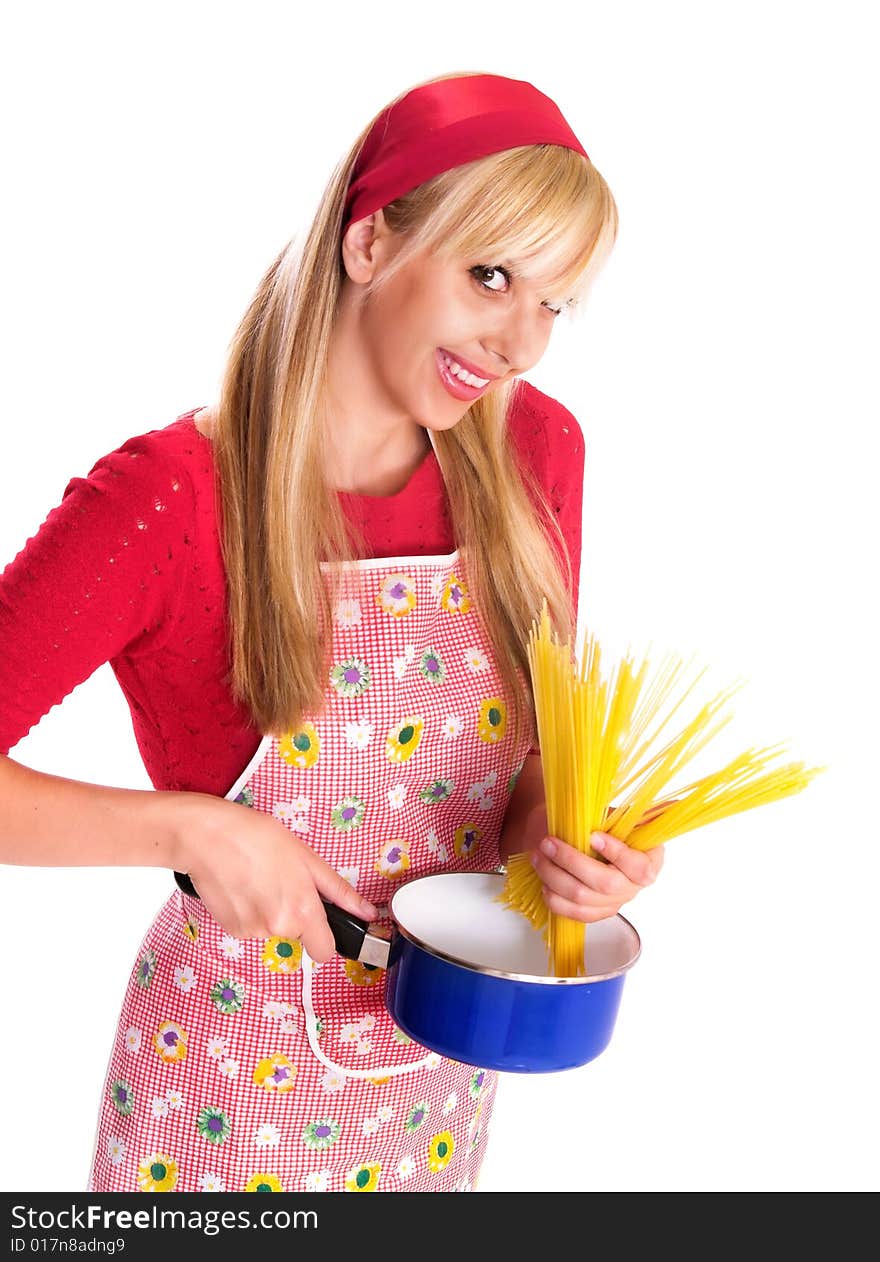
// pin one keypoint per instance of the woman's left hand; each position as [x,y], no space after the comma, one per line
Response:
[588,889]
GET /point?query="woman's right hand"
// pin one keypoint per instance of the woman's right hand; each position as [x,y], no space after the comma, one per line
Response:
[255,877]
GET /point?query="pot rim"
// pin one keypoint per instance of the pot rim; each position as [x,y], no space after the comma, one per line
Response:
[528,978]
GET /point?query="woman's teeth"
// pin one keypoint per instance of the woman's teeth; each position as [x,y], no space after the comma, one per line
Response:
[463,375]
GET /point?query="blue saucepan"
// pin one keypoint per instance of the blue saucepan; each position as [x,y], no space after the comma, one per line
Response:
[469,978]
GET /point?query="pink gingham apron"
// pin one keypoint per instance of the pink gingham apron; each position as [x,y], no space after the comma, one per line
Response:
[240,1065]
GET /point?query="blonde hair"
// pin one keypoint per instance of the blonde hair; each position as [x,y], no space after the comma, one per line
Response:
[280,520]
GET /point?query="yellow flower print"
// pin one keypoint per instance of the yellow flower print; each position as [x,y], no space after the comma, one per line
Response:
[393,859]
[282,955]
[493,720]
[397,595]
[467,838]
[302,747]
[404,739]
[363,974]
[363,1178]
[157,1173]
[263,1183]
[454,598]
[440,1151]
[275,1073]
[170,1041]
[191,929]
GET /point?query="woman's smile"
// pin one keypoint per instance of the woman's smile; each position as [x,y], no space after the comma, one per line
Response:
[457,380]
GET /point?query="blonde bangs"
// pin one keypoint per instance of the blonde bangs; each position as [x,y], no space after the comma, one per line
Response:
[550,217]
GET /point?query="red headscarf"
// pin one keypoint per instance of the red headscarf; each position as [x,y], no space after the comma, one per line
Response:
[442,125]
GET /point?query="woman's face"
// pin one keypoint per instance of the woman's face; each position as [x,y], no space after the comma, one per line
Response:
[441,332]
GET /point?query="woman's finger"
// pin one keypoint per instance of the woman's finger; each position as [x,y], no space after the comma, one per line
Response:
[577,889]
[639,866]
[334,887]
[604,878]
[587,914]
[317,937]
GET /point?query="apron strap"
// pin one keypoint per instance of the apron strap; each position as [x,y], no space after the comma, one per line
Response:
[312,1033]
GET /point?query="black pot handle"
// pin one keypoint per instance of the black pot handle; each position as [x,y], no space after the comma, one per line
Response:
[352,936]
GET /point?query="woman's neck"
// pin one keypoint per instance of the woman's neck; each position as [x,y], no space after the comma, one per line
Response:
[371,447]
[369,450]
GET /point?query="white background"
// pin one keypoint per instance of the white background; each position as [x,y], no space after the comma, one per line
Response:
[156,157]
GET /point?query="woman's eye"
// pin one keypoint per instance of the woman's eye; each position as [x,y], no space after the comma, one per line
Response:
[489,278]
[498,280]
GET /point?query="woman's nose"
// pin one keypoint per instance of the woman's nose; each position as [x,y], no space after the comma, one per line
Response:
[519,340]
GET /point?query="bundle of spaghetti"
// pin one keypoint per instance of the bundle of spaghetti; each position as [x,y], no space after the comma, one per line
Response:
[603,770]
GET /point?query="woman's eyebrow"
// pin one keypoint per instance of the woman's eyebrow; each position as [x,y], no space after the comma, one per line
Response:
[490,259]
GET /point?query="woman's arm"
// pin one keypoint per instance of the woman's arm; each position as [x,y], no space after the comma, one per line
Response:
[525,823]
[255,877]
[104,576]
[50,821]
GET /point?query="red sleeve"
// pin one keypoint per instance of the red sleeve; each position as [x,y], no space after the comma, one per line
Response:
[550,443]
[95,582]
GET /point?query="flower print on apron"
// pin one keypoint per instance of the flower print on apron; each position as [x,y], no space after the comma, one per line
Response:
[241,1065]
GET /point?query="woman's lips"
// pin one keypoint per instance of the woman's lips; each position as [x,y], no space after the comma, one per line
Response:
[454,386]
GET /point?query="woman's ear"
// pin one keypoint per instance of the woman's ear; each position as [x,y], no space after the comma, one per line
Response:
[363,247]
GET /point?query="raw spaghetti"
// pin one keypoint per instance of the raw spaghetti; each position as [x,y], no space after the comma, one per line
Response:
[606,768]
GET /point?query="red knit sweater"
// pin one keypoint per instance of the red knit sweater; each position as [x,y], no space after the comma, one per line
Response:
[128,569]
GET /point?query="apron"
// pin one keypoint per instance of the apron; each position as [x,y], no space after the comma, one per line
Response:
[241,1065]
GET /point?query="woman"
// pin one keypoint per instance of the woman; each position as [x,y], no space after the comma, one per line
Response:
[325,661]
